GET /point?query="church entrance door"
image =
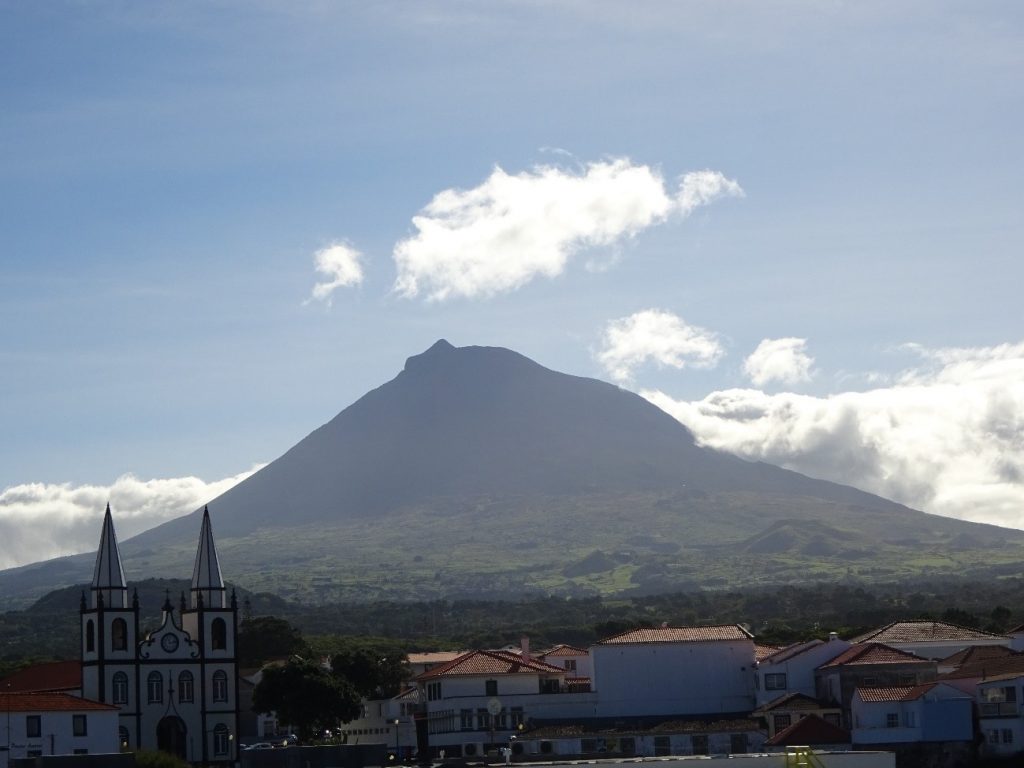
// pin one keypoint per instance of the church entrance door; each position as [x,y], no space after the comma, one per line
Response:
[170,736]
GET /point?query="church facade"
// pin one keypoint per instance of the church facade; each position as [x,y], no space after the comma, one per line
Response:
[176,688]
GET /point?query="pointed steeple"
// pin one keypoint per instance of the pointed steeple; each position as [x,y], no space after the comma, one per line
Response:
[109,588]
[207,583]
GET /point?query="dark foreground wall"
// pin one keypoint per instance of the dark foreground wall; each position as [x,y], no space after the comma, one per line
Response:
[330,756]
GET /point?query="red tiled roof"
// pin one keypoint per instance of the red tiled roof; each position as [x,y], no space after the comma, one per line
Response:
[762,652]
[810,731]
[565,650]
[49,702]
[986,668]
[50,676]
[873,653]
[895,692]
[923,631]
[679,635]
[794,700]
[976,653]
[490,663]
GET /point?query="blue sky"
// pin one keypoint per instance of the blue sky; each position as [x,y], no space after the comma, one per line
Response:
[169,173]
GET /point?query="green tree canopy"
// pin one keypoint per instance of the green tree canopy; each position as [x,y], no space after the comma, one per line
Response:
[264,638]
[306,696]
[375,670]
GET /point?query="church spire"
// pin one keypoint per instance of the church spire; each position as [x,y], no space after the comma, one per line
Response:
[207,583]
[108,585]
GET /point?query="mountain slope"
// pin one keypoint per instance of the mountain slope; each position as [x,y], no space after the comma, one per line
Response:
[476,471]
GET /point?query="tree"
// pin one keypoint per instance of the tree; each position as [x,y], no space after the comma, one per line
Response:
[306,696]
[267,637]
[375,671]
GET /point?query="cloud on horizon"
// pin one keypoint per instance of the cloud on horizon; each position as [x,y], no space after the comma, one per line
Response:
[783,360]
[513,228]
[342,264]
[39,521]
[947,437]
[657,336]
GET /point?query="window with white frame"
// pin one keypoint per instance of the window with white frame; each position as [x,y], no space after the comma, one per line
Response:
[775,681]
[892,719]
[221,739]
[220,685]
[186,687]
[119,688]
[155,688]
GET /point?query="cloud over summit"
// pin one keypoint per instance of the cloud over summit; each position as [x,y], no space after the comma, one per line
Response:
[512,228]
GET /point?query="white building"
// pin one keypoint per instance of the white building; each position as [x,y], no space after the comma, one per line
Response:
[933,712]
[177,687]
[38,724]
[931,639]
[674,671]
[791,669]
[1000,713]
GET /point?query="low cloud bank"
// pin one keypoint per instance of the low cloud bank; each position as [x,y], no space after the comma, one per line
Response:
[39,521]
[946,437]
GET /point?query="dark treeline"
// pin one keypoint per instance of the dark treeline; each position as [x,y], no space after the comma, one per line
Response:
[50,628]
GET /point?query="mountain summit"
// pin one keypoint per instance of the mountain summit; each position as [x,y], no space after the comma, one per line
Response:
[476,471]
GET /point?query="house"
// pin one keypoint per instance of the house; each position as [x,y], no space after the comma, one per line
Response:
[47,677]
[869,665]
[576,662]
[1000,718]
[390,722]
[176,688]
[673,671]
[421,662]
[477,701]
[787,709]
[811,731]
[975,670]
[791,669]
[932,712]
[38,724]
[931,639]
[976,656]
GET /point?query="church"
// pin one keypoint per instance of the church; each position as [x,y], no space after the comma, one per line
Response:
[176,687]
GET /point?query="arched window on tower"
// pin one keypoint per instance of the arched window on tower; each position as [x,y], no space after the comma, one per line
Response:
[119,688]
[119,635]
[218,634]
[220,685]
[155,688]
[221,739]
[90,636]
[186,687]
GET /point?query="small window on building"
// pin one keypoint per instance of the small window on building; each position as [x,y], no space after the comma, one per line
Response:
[123,738]
[90,636]
[1007,736]
[775,681]
[80,751]
[186,688]
[119,635]
[33,726]
[782,721]
[516,714]
[662,746]
[221,739]
[832,718]
[869,681]
[119,688]
[490,688]
[570,665]
[155,688]
[892,720]
[218,634]
[78,725]
[993,736]
[433,691]
[483,719]
[220,685]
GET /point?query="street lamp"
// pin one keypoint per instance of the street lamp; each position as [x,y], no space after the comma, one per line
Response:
[395,723]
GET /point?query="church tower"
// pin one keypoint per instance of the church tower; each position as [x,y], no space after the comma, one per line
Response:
[177,687]
[110,632]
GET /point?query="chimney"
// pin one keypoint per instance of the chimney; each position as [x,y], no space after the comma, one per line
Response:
[524,647]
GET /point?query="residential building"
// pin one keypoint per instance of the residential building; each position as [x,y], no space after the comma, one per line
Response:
[933,712]
[869,665]
[791,669]
[1000,719]
[673,671]
[931,639]
[781,713]
[40,724]
[811,731]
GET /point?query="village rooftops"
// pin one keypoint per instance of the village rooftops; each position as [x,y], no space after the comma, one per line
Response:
[724,632]
[564,650]
[895,692]
[490,663]
[811,731]
[978,653]
[48,676]
[50,702]
[986,668]
[795,701]
[923,632]
[873,653]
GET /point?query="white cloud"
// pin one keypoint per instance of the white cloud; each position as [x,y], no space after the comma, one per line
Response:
[342,264]
[512,228]
[783,360]
[947,437]
[658,336]
[39,521]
